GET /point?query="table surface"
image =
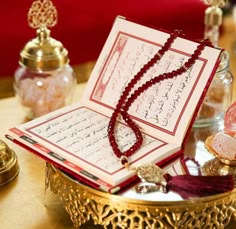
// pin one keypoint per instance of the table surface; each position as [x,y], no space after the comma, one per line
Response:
[24,203]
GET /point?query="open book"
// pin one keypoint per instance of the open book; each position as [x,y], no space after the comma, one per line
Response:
[74,138]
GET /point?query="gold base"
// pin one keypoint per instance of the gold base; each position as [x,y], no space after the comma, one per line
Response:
[9,167]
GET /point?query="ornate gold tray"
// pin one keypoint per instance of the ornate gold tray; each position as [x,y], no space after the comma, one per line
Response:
[148,211]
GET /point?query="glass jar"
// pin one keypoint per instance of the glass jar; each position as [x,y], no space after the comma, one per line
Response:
[44,81]
[218,97]
[40,92]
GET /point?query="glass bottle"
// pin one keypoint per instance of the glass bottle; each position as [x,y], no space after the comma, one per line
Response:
[218,97]
[44,81]
[219,94]
[212,21]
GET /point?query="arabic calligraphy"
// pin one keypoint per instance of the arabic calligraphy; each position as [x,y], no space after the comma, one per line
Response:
[160,105]
[83,134]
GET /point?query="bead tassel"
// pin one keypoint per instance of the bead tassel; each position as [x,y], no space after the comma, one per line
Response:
[199,186]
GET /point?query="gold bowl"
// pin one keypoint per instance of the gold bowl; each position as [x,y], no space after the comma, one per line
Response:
[9,167]
[224,160]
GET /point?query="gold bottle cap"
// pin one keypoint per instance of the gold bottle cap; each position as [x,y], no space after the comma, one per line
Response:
[213,16]
[43,52]
[9,167]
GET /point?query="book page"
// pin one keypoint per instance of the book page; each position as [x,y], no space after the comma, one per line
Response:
[79,135]
[167,107]
[162,104]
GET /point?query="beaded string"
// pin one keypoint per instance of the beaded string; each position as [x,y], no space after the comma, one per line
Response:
[143,70]
[125,93]
[127,102]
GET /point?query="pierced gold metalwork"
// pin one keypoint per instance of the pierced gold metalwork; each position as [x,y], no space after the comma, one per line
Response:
[151,173]
[42,14]
[114,211]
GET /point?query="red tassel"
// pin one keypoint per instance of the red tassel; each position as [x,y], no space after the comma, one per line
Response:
[199,186]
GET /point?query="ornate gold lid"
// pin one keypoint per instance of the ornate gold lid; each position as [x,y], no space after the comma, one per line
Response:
[213,14]
[43,52]
[9,167]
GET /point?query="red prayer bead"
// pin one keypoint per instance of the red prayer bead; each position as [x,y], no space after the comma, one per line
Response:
[125,102]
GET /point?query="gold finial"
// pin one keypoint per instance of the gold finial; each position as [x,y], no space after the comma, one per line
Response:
[219,3]
[213,19]
[43,52]
[42,14]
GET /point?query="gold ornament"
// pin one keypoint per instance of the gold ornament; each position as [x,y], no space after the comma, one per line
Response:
[219,3]
[9,167]
[42,14]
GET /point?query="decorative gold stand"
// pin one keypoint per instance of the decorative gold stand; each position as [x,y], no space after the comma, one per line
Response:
[114,211]
[126,211]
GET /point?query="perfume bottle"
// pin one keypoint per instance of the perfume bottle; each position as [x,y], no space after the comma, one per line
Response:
[219,94]
[218,97]
[44,80]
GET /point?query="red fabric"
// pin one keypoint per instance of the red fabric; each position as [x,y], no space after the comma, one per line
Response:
[83,26]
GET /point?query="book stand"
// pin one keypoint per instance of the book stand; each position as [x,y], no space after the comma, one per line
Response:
[116,211]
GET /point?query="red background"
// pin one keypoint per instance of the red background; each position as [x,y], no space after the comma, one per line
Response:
[84,25]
